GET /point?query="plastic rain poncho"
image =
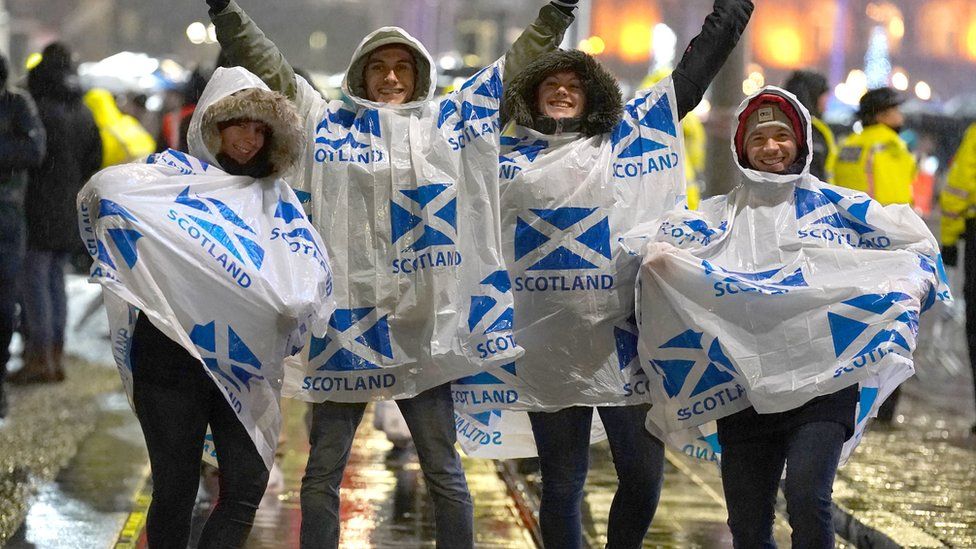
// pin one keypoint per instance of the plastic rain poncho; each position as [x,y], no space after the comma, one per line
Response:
[566,201]
[227,266]
[783,290]
[406,198]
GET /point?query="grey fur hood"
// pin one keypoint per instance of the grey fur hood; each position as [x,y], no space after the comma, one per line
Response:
[236,93]
[604,102]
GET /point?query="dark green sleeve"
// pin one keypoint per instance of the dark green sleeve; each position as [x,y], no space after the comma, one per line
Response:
[245,45]
[543,36]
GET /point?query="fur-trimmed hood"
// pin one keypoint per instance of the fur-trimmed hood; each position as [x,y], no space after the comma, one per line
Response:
[354,86]
[604,102]
[236,93]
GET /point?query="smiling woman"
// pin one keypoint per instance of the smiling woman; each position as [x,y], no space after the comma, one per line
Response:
[561,95]
[242,139]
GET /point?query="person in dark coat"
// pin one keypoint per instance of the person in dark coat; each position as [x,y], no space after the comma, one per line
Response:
[812,90]
[21,148]
[74,154]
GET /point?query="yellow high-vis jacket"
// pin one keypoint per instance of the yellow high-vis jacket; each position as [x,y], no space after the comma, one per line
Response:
[123,137]
[958,198]
[877,162]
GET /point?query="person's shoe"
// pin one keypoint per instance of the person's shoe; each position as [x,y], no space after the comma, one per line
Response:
[57,362]
[37,369]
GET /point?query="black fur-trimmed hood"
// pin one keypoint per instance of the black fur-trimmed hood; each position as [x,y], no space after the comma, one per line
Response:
[604,102]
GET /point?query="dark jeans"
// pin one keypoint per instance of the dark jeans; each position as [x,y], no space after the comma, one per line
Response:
[12,254]
[430,418]
[751,472]
[175,400]
[45,301]
[563,441]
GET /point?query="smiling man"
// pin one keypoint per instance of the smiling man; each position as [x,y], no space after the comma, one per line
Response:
[768,139]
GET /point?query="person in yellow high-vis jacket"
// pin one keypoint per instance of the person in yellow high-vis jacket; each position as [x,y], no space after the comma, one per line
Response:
[123,138]
[958,202]
[877,161]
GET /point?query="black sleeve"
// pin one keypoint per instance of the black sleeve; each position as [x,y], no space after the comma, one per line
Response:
[707,52]
[93,158]
[24,146]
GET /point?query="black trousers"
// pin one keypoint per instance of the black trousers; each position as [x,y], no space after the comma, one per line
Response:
[175,400]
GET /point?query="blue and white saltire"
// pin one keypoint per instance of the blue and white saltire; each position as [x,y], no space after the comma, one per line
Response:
[783,290]
[227,266]
[406,197]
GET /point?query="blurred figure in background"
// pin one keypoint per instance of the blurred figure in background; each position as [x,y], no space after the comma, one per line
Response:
[123,137]
[958,201]
[21,148]
[812,90]
[877,161]
[176,121]
[74,153]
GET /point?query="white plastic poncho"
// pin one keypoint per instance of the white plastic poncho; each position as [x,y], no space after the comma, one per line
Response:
[566,201]
[406,197]
[227,266]
[783,290]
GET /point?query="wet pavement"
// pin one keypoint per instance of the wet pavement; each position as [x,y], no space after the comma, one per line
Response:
[73,470]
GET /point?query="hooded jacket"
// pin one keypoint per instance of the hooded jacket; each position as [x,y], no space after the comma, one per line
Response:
[74,153]
[405,198]
[224,264]
[793,295]
[244,96]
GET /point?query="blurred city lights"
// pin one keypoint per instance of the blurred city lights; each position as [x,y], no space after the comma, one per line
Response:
[211,34]
[317,40]
[472,60]
[448,62]
[703,108]
[923,90]
[783,46]
[664,43]
[32,60]
[754,81]
[196,32]
[635,41]
[593,45]
[899,80]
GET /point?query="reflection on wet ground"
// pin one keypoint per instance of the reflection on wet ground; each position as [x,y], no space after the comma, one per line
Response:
[912,485]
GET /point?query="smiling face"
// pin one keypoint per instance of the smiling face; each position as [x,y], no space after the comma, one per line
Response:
[390,75]
[771,149]
[561,95]
[243,139]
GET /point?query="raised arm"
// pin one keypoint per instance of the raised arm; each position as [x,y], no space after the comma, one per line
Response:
[708,51]
[246,45]
[542,36]
[23,147]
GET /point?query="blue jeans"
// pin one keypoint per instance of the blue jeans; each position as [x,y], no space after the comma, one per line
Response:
[751,472]
[430,417]
[45,301]
[563,441]
[11,261]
